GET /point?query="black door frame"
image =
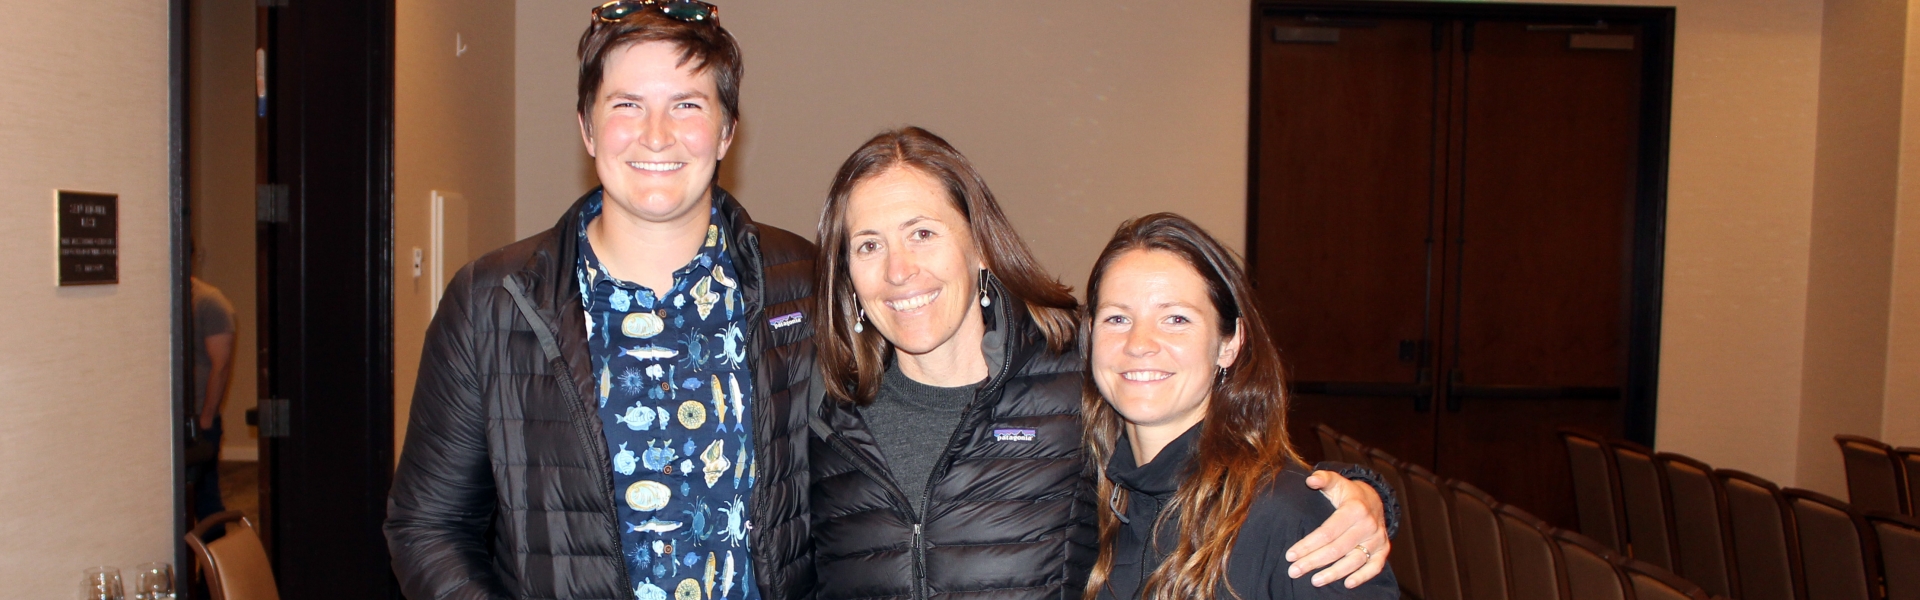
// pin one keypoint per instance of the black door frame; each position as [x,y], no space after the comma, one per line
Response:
[327,293]
[1650,210]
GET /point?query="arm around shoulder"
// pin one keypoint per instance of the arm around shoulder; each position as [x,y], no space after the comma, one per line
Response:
[1284,515]
[442,500]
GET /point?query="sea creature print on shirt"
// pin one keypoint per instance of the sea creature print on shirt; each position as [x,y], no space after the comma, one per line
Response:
[726,576]
[620,300]
[637,418]
[606,385]
[656,525]
[642,325]
[713,568]
[648,591]
[700,516]
[720,403]
[704,298]
[647,496]
[696,355]
[651,352]
[631,381]
[688,590]
[736,511]
[624,462]
[656,459]
[735,352]
[740,464]
[693,414]
[739,403]
[715,457]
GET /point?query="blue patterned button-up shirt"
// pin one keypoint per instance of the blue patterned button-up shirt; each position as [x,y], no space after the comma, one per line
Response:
[675,396]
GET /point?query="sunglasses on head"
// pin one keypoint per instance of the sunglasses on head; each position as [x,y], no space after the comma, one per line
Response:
[691,11]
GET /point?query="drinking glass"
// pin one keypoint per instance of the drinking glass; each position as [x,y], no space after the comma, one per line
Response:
[102,583]
[153,581]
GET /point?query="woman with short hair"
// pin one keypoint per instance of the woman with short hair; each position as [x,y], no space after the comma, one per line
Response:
[1186,413]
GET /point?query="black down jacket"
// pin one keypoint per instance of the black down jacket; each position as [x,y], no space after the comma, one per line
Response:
[1009,508]
[504,488]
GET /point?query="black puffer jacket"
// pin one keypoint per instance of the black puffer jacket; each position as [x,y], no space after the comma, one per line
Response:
[504,487]
[1009,512]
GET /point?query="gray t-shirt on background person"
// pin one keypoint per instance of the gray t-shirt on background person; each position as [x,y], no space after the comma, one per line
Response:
[213,315]
[912,422]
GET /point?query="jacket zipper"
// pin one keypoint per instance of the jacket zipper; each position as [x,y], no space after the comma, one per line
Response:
[577,408]
[947,457]
[755,317]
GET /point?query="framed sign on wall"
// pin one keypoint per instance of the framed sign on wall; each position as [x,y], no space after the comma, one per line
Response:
[89,227]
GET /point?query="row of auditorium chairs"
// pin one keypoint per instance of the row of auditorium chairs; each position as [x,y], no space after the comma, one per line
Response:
[1880,477]
[1457,543]
[1735,534]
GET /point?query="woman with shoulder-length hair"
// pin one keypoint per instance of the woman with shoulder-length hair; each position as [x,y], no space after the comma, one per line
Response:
[1186,411]
[947,456]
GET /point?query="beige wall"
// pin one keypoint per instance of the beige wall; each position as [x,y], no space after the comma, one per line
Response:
[221,90]
[1081,113]
[1901,414]
[85,385]
[1075,117]
[1863,50]
[453,132]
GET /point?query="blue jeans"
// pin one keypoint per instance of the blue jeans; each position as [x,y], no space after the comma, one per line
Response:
[204,478]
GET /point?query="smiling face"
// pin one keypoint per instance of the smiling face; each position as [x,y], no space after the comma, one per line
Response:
[1156,342]
[656,132]
[914,264]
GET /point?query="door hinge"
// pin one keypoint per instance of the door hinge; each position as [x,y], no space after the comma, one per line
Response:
[274,417]
[271,204]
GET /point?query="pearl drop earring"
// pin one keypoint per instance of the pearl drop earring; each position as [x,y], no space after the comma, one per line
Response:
[984,300]
[860,324]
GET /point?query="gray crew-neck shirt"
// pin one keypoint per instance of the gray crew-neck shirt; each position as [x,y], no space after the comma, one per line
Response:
[912,422]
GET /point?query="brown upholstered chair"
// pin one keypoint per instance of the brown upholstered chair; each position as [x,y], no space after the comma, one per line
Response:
[1650,582]
[1765,558]
[1405,557]
[1477,543]
[1838,556]
[1426,500]
[1643,495]
[1329,443]
[1596,489]
[1899,539]
[1873,474]
[1535,570]
[1910,472]
[1699,524]
[1591,572]
[236,563]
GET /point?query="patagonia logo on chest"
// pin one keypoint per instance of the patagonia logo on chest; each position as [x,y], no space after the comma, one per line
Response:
[1013,435]
[785,320]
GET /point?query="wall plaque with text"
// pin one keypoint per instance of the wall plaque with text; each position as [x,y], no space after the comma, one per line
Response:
[89,238]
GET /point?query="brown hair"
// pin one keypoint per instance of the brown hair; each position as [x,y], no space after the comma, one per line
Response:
[1243,437]
[704,43]
[852,362]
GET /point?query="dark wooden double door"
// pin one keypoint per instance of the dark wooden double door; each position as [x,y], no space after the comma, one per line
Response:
[1455,230]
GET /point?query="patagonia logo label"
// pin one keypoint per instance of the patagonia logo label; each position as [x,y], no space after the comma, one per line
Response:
[1013,435]
[785,320]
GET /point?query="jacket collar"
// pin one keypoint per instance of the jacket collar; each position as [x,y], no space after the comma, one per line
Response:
[549,272]
[1159,477]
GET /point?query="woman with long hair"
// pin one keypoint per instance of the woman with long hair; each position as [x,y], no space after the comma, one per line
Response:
[947,455]
[1186,421]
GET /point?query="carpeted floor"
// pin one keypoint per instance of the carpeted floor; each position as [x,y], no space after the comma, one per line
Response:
[240,487]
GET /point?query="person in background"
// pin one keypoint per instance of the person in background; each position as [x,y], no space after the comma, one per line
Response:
[213,346]
[947,458]
[1187,423]
[607,409]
